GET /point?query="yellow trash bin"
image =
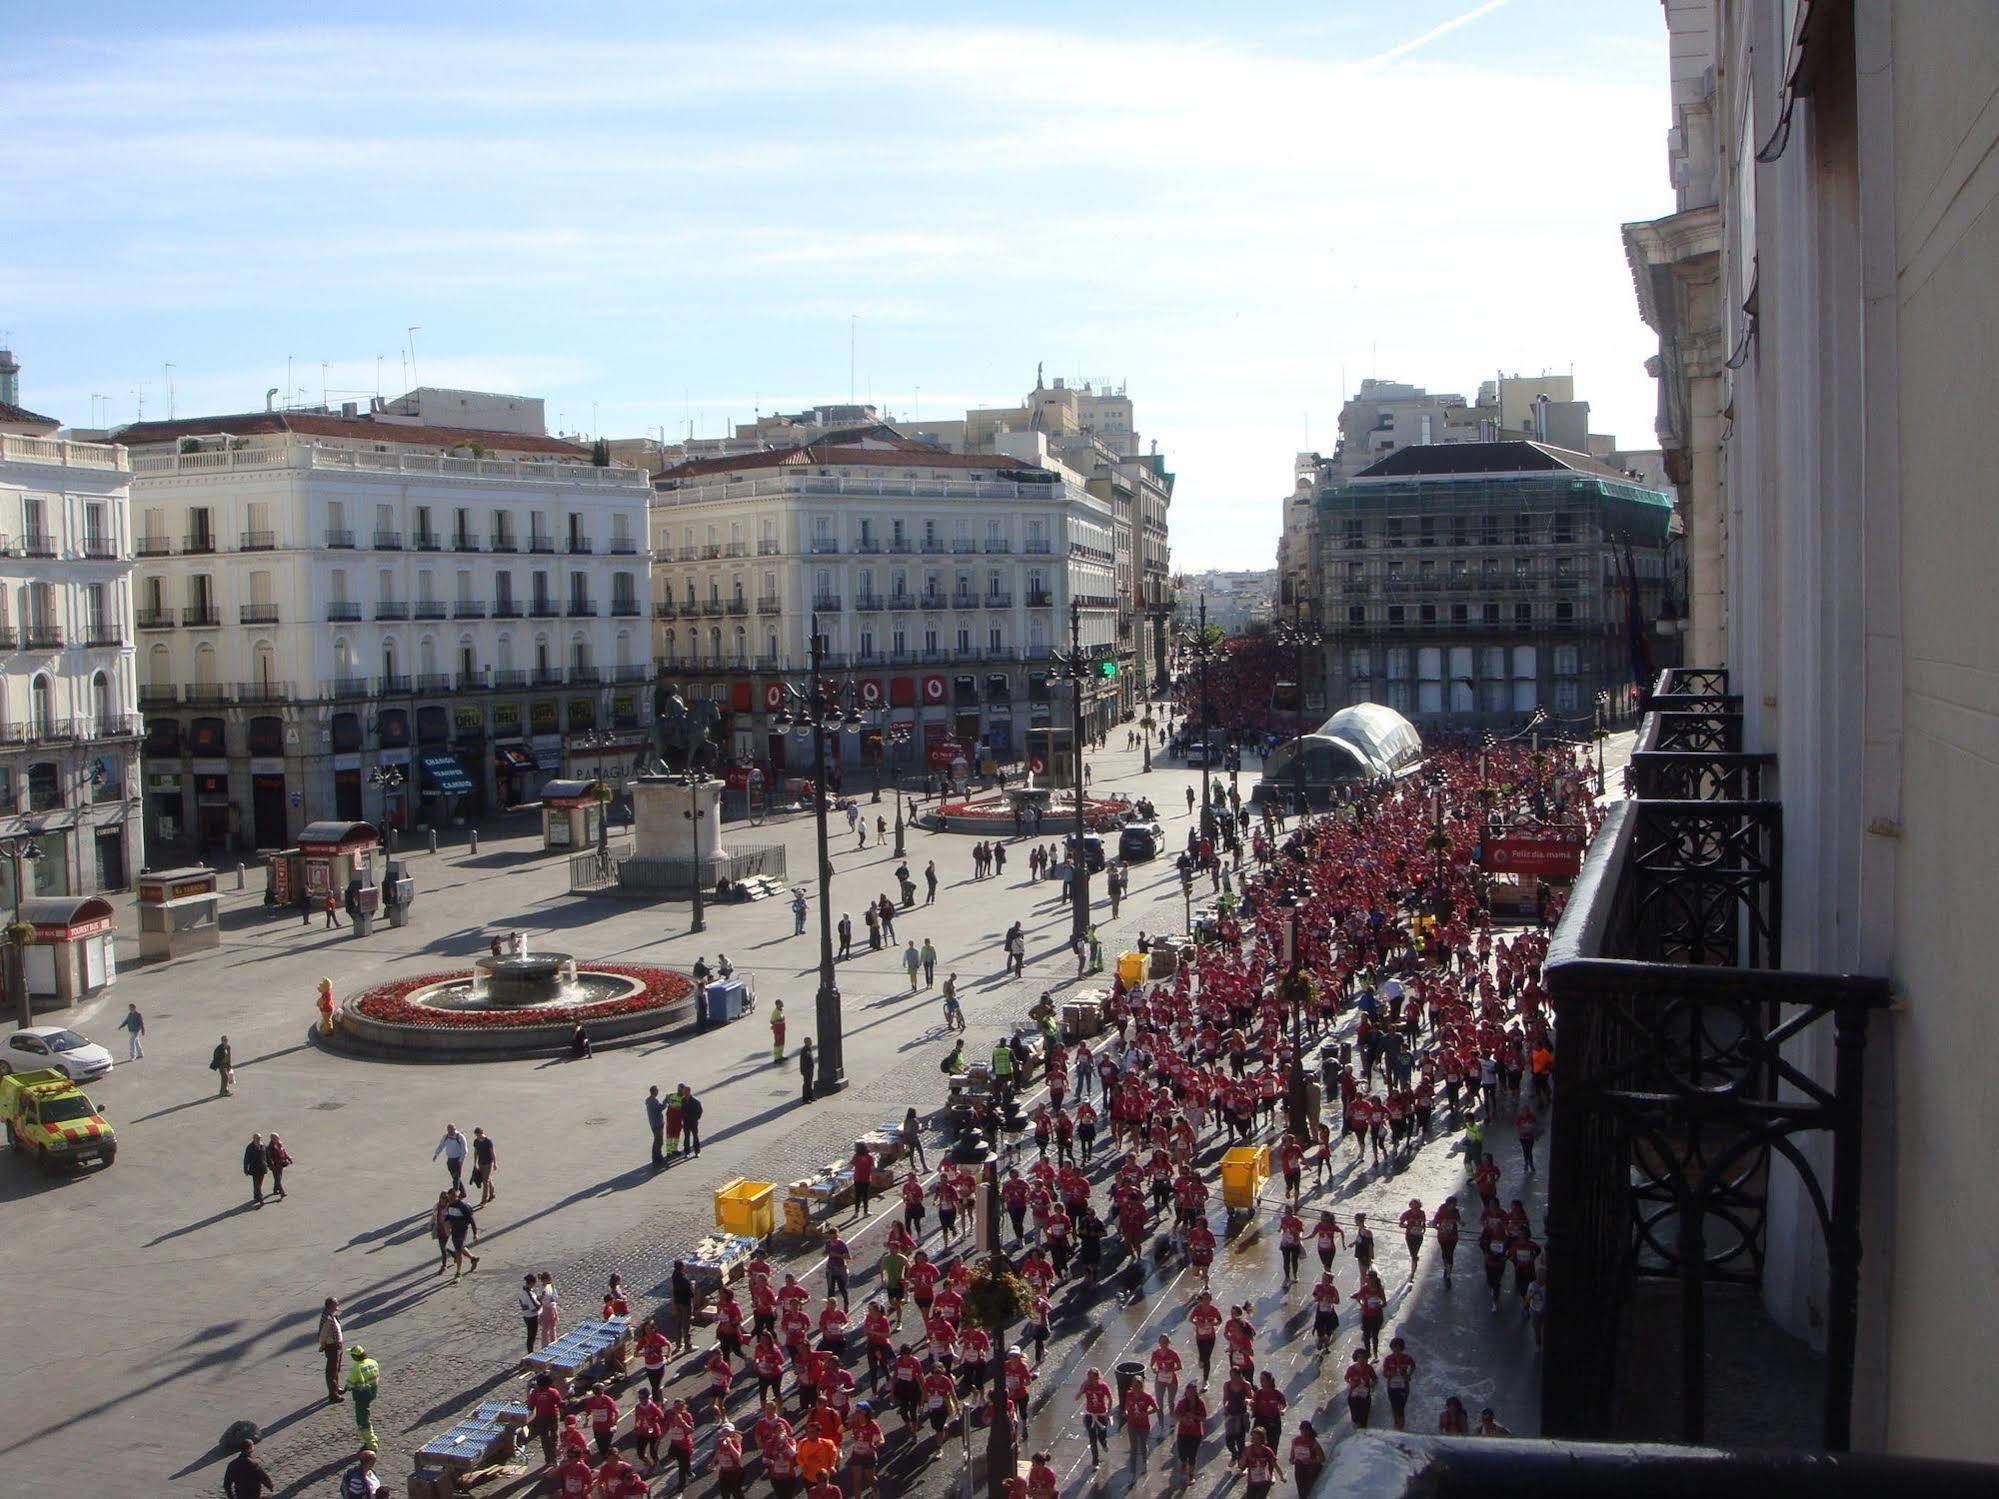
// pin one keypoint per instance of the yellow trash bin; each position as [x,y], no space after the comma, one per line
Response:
[1131,968]
[746,1207]
[1245,1168]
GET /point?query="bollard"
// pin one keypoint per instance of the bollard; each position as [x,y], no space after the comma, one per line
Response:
[394,834]
[239,874]
[433,840]
[475,840]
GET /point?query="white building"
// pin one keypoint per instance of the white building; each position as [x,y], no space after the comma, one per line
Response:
[942,583]
[376,616]
[69,731]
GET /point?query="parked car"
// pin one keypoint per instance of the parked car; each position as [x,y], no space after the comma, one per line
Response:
[1201,755]
[1140,841]
[60,1050]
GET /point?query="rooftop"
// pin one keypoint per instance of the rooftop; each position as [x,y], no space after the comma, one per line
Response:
[1512,457]
[366,429]
[870,447]
[19,416]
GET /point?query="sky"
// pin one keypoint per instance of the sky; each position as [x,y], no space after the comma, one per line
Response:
[675,216]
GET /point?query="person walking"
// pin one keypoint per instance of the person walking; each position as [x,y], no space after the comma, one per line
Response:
[929,963]
[798,910]
[912,1140]
[332,909]
[279,1158]
[222,1062]
[656,1122]
[255,1164]
[805,1067]
[330,1341]
[364,1383]
[912,961]
[134,1026]
[440,1229]
[846,933]
[930,883]
[690,1121]
[485,1160]
[245,1477]
[452,1148]
[461,1219]
[359,1481]
[777,1032]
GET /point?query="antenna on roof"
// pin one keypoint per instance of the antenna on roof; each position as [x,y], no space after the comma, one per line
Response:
[415,379]
[167,379]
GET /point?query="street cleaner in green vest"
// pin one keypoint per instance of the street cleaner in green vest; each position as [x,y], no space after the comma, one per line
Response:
[1003,1067]
[364,1382]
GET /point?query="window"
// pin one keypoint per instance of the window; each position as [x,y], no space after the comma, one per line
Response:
[1356,614]
[1567,696]
[1491,612]
[44,787]
[1428,614]
[1358,663]
[1523,614]
[1396,614]
[1460,614]
[995,639]
[1565,611]
[1566,660]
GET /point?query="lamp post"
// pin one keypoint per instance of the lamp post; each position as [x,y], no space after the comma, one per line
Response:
[1294,983]
[1202,650]
[1601,733]
[1077,666]
[1297,634]
[390,779]
[24,851]
[816,707]
[698,917]
[893,737]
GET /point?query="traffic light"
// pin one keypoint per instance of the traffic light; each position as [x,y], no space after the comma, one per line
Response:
[1109,668]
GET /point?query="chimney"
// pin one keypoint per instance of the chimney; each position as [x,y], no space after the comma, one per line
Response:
[350,408]
[271,399]
[10,378]
[1541,404]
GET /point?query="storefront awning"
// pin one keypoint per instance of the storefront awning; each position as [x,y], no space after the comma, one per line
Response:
[66,918]
[512,757]
[445,773]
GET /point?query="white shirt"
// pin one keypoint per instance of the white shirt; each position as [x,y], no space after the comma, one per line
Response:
[451,1147]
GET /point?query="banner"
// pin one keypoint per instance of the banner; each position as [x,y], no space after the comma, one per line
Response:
[1546,853]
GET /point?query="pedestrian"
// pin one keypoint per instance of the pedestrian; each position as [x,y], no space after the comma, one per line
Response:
[440,1229]
[452,1148]
[462,1220]
[485,1160]
[846,930]
[681,1291]
[279,1158]
[364,1383]
[929,963]
[134,1025]
[805,1067]
[548,1315]
[332,909]
[912,961]
[912,1140]
[656,1122]
[256,1162]
[777,1032]
[222,1062]
[930,883]
[690,1121]
[245,1477]
[529,1302]
[359,1481]
[673,1125]
[330,1340]
[798,910]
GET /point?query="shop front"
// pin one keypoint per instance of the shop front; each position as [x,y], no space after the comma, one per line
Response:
[344,737]
[73,954]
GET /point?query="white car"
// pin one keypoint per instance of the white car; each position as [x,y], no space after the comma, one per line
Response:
[39,1046]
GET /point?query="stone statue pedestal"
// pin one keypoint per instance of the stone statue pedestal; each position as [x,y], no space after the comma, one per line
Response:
[680,821]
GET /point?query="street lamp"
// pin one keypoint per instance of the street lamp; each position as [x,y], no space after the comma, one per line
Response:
[818,708]
[390,779]
[23,850]
[1600,733]
[892,737]
[1297,634]
[1293,989]
[1202,650]
[1077,666]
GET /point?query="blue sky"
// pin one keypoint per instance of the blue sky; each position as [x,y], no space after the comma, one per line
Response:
[663,214]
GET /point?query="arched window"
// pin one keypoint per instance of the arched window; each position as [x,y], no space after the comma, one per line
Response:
[579,651]
[160,667]
[624,652]
[264,668]
[102,707]
[715,644]
[742,646]
[43,707]
[668,645]
[468,662]
[388,662]
[204,665]
[426,655]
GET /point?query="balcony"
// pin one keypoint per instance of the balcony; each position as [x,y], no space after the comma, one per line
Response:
[1685,1073]
[10,640]
[1036,547]
[585,676]
[204,694]
[998,546]
[929,599]
[100,548]
[933,546]
[506,609]
[388,541]
[433,681]
[257,614]
[468,609]
[964,598]
[153,546]
[508,677]
[503,543]
[999,600]
[542,544]
[869,546]
[257,541]
[769,604]
[340,541]
[901,602]
[392,609]
[199,543]
[826,603]
[102,634]
[736,549]
[825,546]
[769,663]
[465,541]
[426,541]
[158,694]
[154,619]
[582,609]
[201,617]
[263,692]
[665,609]
[469,681]
[543,609]
[633,672]
[547,676]
[900,546]
[767,547]
[964,546]
[1040,598]
[391,684]
[428,609]
[581,546]
[624,608]
[712,608]
[349,687]
[867,603]
[739,607]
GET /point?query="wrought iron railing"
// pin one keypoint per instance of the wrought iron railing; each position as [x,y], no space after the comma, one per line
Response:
[1681,1085]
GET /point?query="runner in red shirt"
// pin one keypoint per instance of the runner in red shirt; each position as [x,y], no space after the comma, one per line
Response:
[1414,1222]
[1042,1480]
[1329,1236]
[940,1394]
[1164,1362]
[1325,1311]
[1096,1397]
[680,1439]
[1397,1372]
[573,1477]
[862,1460]
[648,1427]
[727,1462]
[1372,1302]
[1267,1407]
[1447,1222]
[1523,1252]
[1190,1423]
[1308,1458]
[1361,1379]
[1139,1409]
[1259,1467]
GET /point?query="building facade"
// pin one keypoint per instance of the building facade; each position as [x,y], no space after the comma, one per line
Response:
[942,583]
[372,616]
[1468,586]
[69,728]
[1824,296]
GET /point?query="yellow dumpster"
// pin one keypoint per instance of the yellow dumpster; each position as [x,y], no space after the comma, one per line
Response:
[745,1207]
[1131,968]
[1245,1168]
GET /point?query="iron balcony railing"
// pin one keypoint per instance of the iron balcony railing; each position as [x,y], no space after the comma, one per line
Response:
[257,541]
[154,619]
[1683,1092]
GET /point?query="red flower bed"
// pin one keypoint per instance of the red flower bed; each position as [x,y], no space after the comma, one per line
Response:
[391,1003]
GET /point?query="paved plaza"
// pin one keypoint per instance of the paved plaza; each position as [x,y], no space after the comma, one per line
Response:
[155,1305]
